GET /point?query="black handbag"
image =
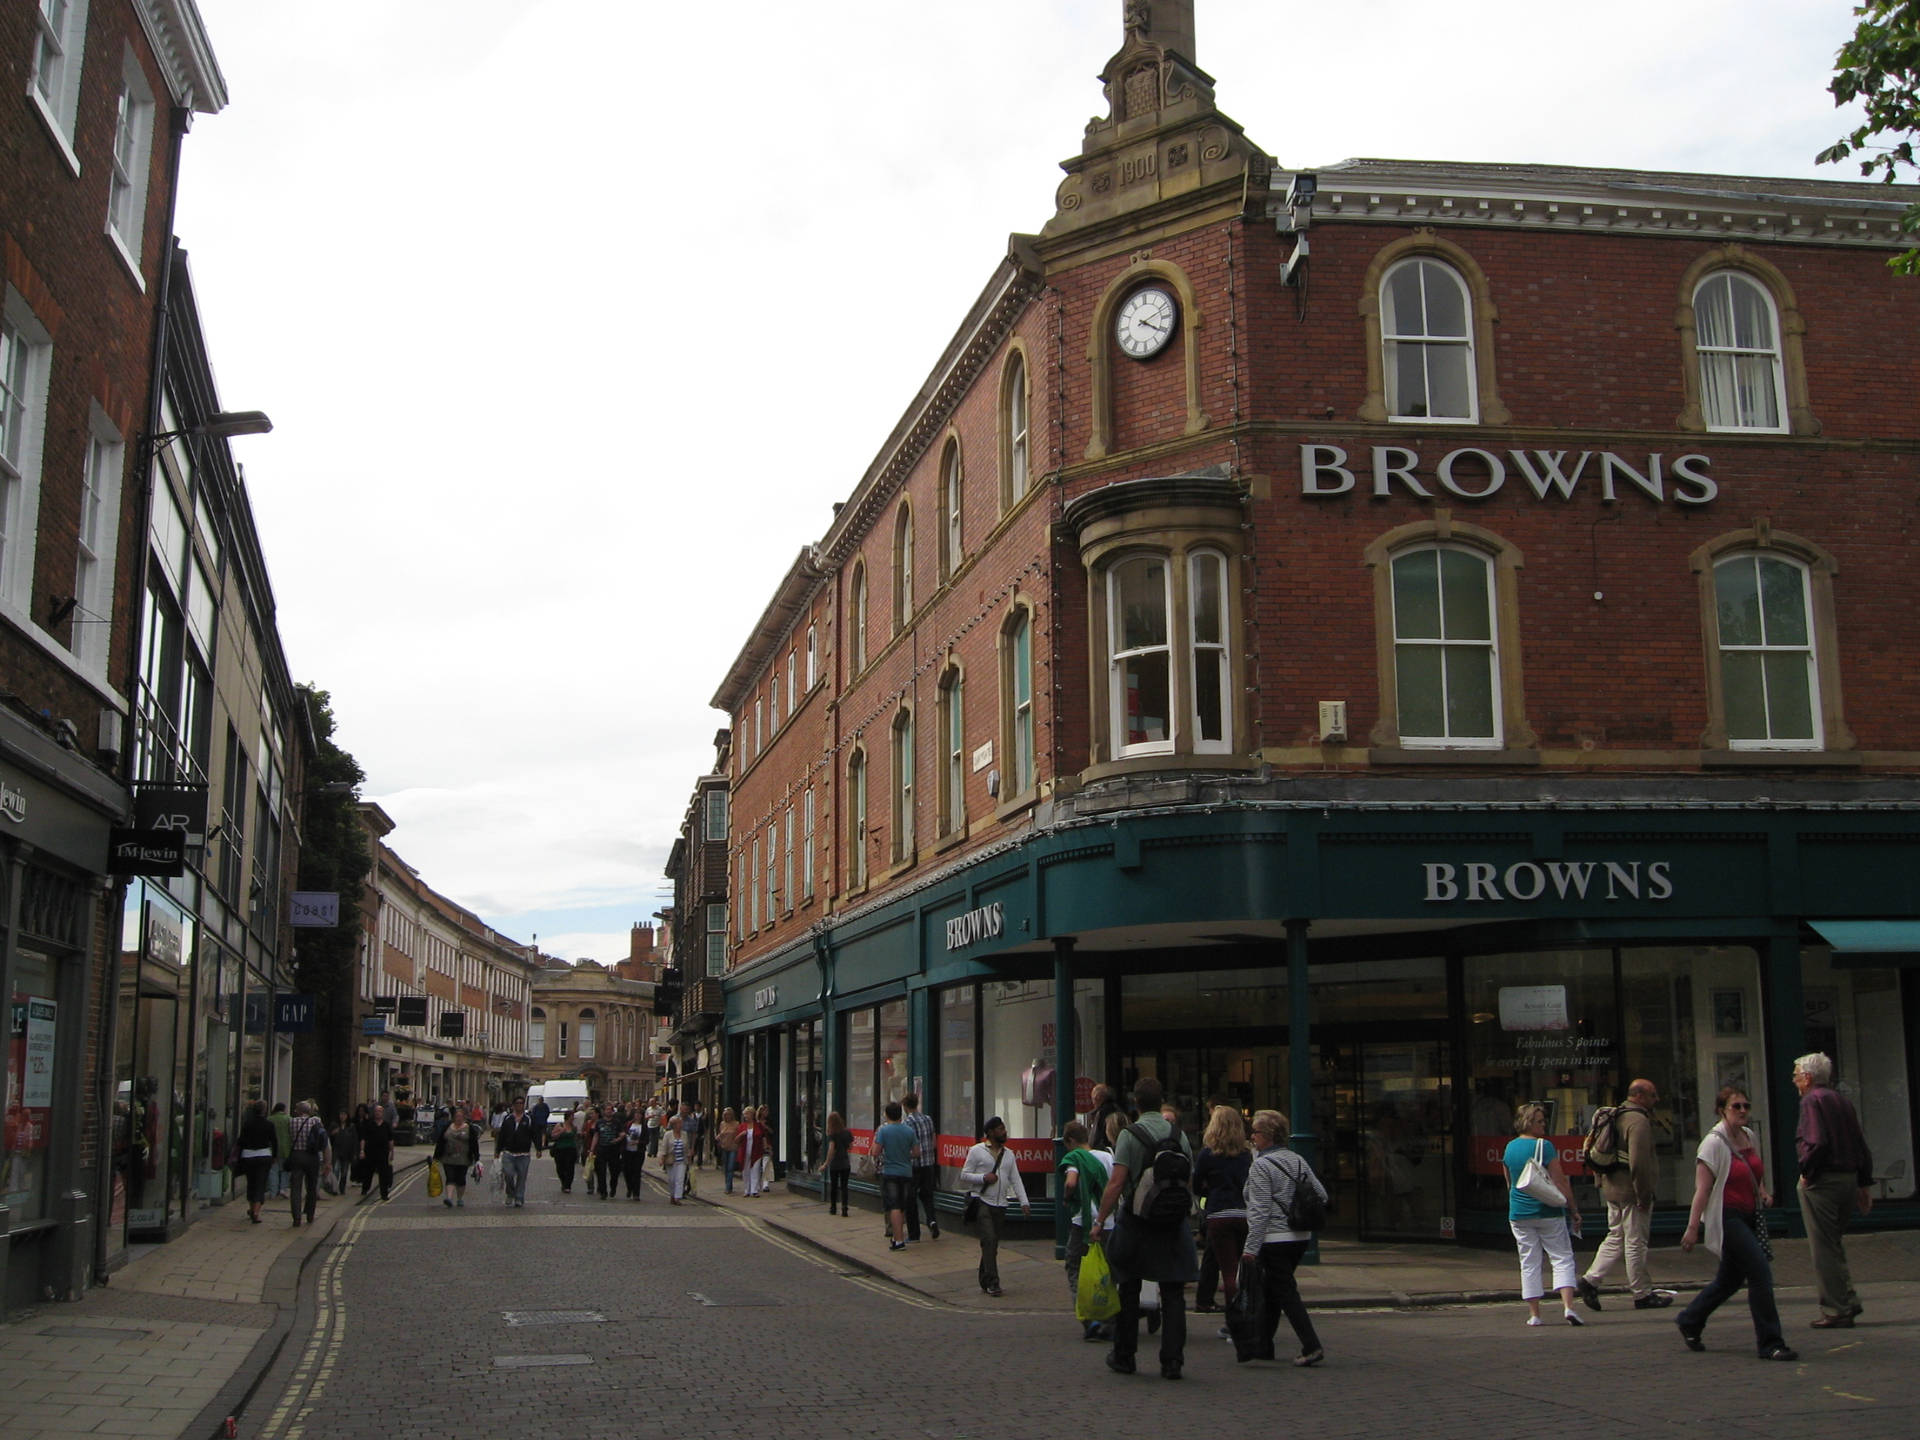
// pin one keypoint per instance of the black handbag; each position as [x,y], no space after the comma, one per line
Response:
[1247,1313]
[970,1214]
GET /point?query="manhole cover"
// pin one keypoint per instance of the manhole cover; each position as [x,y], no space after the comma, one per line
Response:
[94,1332]
[527,1362]
[554,1317]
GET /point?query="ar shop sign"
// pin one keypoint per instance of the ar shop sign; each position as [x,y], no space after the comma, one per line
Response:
[1471,473]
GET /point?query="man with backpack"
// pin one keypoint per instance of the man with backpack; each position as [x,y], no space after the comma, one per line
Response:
[1151,1191]
[1619,1152]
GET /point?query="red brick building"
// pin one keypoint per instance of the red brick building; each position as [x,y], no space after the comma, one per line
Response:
[99,99]
[1452,617]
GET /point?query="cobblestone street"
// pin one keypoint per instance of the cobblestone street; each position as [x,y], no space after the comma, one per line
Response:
[589,1318]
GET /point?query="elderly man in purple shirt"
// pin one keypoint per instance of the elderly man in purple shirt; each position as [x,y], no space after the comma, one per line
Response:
[1836,1173]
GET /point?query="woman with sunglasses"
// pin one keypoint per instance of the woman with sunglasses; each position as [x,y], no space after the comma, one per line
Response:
[1729,1187]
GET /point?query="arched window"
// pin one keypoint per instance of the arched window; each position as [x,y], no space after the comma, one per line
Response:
[857,621]
[1016,701]
[1446,654]
[857,820]
[1736,335]
[953,753]
[950,540]
[1764,622]
[813,656]
[537,1032]
[903,797]
[587,1033]
[1426,335]
[1773,666]
[806,864]
[903,567]
[1013,427]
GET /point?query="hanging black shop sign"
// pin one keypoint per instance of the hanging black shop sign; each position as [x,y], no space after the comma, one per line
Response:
[413,1010]
[161,853]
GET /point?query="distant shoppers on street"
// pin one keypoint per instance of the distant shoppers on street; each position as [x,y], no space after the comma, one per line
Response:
[1730,1187]
[513,1148]
[1836,1180]
[926,1168]
[673,1158]
[609,1144]
[1084,1172]
[376,1153]
[690,1128]
[307,1154]
[726,1144]
[839,1161]
[565,1149]
[1628,1192]
[1138,1252]
[698,1132]
[1220,1184]
[769,1145]
[654,1113]
[256,1151]
[541,1114]
[1542,1232]
[990,1172]
[750,1145]
[1104,1106]
[458,1151]
[633,1155]
[283,1137]
[893,1154]
[344,1145]
[1272,1251]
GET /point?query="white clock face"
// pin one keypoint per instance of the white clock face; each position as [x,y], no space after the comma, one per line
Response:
[1146,322]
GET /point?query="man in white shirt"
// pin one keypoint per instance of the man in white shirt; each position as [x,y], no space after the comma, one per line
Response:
[991,1172]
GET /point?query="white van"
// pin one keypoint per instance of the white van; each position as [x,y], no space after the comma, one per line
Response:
[562,1097]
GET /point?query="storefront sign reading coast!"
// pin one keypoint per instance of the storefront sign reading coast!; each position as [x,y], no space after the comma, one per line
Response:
[1471,473]
[1610,880]
[986,923]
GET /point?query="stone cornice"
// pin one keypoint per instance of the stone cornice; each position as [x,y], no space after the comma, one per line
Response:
[179,39]
[1563,198]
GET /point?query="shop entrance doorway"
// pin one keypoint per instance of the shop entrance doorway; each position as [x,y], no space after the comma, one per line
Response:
[1383,1115]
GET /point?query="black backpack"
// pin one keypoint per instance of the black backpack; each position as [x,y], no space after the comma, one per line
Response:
[1163,1195]
[1306,1208]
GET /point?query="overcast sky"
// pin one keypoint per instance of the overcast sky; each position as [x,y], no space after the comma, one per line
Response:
[574,319]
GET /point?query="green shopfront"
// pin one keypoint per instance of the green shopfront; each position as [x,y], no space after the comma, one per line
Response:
[1394,977]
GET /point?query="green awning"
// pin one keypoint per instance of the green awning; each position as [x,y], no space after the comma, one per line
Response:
[1871,942]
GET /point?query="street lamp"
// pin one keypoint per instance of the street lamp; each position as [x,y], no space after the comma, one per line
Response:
[221,425]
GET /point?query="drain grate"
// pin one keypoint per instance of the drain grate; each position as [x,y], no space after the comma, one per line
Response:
[554,1317]
[528,1362]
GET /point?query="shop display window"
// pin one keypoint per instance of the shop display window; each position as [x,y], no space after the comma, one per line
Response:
[1854,1017]
[894,1078]
[958,1105]
[33,1015]
[862,1111]
[1017,1052]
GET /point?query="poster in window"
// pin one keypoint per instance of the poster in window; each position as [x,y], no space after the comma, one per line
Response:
[1729,1012]
[1733,1069]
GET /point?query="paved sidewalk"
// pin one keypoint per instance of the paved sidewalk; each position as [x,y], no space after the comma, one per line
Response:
[176,1334]
[1348,1275]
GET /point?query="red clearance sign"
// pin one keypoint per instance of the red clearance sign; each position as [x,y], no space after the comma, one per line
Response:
[1029,1156]
[1484,1157]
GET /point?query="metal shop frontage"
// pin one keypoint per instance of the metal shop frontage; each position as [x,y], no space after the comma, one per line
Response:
[1436,968]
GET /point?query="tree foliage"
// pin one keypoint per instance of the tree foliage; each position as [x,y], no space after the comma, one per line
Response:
[333,853]
[1880,68]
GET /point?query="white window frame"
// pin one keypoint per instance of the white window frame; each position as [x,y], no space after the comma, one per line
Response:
[26,362]
[857,621]
[1391,336]
[753,883]
[806,862]
[716,937]
[793,690]
[786,871]
[903,567]
[773,703]
[1019,460]
[813,656]
[1495,695]
[773,865]
[589,1038]
[904,764]
[950,512]
[759,724]
[953,741]
[1117,658]
[1808,653]
[58,57]
[1732,354]
[716,814]
[1217,654]
[1020,746]
[743,908]
[858,798]
[537,1035]
[130,162]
